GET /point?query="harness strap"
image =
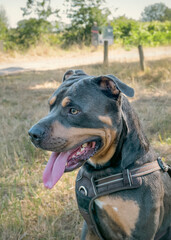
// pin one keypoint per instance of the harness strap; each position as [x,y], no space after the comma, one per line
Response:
[126,178]
[89,187]
[164,234]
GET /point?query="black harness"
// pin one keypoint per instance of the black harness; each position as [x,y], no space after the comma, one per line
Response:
[89,187]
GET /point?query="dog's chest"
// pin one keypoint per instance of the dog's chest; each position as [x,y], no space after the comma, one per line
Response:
[120,214]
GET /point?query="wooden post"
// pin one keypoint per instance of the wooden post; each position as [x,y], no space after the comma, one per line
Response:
[105,61]
[141,55]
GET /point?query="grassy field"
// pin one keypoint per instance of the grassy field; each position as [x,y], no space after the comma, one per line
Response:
[27,209]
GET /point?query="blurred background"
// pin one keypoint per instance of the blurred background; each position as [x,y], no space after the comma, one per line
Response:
[27,24]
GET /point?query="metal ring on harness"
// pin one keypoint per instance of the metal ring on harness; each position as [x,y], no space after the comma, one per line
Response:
[163,165]
[82,188]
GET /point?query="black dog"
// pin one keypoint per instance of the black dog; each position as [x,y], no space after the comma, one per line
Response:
[123,190]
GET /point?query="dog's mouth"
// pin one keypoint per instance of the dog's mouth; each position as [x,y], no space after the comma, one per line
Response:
[68,161]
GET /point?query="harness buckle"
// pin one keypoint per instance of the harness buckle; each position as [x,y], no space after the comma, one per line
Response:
[127,177]
[93,185]
[162,165]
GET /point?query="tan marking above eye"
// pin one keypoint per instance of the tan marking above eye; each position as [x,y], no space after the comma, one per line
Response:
[65,101]
[106,119]
[52,100]
[123,213]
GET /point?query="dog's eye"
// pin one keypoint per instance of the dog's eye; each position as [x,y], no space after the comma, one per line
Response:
[73,111]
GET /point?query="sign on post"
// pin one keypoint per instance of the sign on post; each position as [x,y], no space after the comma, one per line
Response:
[95,35]
[108,34]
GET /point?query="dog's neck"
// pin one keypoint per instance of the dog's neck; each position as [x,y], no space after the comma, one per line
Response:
[135,144]
[133,147]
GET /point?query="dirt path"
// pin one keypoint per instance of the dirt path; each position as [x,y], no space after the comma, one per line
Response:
[70,60]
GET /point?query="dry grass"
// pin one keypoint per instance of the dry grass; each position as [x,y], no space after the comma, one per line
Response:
[45,51]
[28,210]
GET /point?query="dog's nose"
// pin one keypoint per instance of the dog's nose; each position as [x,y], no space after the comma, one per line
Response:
[36,133]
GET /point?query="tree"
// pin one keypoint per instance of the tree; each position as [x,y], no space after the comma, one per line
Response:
[83,14]
[29,32]
[156,12]
[3,23]
[168,14]
[42,8]
[3,16]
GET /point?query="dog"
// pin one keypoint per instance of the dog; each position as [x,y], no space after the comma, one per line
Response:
[123,188]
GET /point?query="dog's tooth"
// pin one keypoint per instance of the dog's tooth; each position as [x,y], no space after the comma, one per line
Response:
[84,145]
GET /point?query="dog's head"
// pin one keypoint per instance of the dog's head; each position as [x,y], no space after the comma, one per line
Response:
[84,122]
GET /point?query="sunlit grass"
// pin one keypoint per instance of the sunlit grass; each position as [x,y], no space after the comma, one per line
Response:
[27,209]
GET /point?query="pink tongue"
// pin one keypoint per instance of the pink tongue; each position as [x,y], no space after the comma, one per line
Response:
[55,168]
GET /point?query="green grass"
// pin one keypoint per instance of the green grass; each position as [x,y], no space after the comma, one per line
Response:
[27,209]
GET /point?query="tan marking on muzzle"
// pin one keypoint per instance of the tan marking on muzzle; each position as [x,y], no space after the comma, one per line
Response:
[106,119]
[75,136]
[108,149]
[65,101]
[124,213]
[52,100]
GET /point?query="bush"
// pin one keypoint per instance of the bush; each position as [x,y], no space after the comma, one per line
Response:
[28,33]
[132,33]
[127,32]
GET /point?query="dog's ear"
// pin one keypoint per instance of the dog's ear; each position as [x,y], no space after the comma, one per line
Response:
[114,85]
[107,84]
[68,74]
[71,72]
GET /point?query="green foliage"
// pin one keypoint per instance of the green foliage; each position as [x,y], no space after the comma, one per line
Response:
[3,23]
[54,39]
[3,16]
[156,12]
[28,33]
[127,32]
[167,14]
[83,14]
[41,8]
[132,33]
[3,30]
